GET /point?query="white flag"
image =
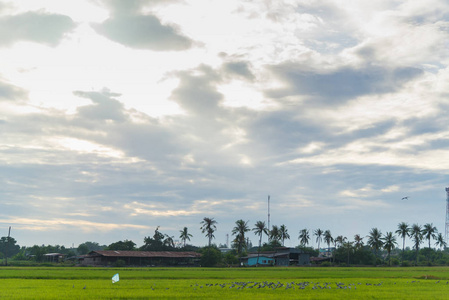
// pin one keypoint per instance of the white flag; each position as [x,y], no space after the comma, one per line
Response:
[115,278]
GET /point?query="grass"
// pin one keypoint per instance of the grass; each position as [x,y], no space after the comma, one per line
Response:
[217,283]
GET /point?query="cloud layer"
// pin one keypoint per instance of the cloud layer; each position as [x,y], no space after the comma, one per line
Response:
[337,110]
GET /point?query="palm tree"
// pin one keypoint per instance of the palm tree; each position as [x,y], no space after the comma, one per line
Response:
[185,235]
[304,237]
[375,241]
[208,226]
[440,241]
[241,227]
[274,234]
[416,234]
[259,229]
[389,243]
[319,234]
[283,233]
[403,231]
[429,231]
[328,239]
[340,240]
[358,241]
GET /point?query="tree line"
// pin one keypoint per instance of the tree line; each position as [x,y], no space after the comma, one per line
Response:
[379,248]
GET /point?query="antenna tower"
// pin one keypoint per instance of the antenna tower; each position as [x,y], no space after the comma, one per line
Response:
[446,232]
[269,212]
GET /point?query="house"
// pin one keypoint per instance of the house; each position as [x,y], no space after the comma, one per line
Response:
[280,257]
[140,258]
[54,257]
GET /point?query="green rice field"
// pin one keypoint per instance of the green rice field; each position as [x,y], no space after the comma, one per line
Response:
[224,283]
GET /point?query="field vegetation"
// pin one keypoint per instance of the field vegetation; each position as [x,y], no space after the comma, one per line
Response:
[225,283]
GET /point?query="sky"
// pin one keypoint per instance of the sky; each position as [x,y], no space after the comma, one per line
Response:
[118,116]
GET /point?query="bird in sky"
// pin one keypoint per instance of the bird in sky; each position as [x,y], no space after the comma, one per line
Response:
[405,198]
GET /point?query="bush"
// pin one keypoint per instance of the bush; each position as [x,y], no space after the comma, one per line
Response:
[405,263]
[210,257]
[326,264]
[394,261]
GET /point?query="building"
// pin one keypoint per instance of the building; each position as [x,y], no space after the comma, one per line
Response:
[141,258]
[54,257]
[280,257]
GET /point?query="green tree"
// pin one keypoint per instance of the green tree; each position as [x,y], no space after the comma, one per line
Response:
[429,232]
[9,246]
[340,240]
[440,241]
[358,241]
[417,236]
[260,229]
[90,246]
[82,249]
[240,229]
[389,242]
[125,245]
[208,226]
[168,242]
[304,237]
[155,243]
[375,241]
[210,256]
[275,235]
[328,239]
[319,236]
[185,235]
[403,231]
[283,233]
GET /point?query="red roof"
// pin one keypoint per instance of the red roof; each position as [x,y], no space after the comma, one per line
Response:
[169,254]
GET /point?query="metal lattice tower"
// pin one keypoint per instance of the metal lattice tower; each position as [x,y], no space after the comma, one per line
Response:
[446,232]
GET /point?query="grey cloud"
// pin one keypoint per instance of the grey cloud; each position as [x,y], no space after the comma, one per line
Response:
[339,85]
[105,107]
[239,68]
[120,7]
[197,93]
[143,32]
[11,93]
[39,27]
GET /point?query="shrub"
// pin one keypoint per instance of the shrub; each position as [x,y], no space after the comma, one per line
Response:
[326,264]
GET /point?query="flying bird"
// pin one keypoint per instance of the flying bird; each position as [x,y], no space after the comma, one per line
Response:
[405,198]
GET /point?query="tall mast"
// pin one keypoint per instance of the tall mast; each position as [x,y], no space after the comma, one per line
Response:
[269,212]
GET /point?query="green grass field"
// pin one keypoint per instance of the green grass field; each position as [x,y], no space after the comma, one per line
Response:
[230,283]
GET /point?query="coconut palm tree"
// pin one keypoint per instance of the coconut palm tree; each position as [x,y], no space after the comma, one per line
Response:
[260,229]
[417,236]
[319,236]
[283,233]
[440,241]
[340,240]
[389,241]
[274,234]
[185,235]
[208,227]
[403,231]
[304,237]
[241,227]
[358,241]
[328,239]
[429,232]
[375,241]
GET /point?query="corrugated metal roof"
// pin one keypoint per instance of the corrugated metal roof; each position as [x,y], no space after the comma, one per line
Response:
[154,254]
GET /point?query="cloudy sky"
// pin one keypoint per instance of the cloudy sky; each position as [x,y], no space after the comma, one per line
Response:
[117,116]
